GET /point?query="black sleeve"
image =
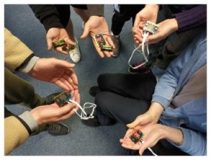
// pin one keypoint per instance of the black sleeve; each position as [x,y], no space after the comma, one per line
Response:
[52,15]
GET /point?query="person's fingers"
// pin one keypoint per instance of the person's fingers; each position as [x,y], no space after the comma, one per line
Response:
[49,43]
[68,41]
[107,54]
[71,82]
[142,119]
[131,145]
[137,21]
[74,77]
[86,31]
[76,96]
[65,109]
[61,50]
[100,53]
[134,123]
[63,64]
[143,147]
[109,41]
[138,38]
[68,115]
[66,82]
[62,85]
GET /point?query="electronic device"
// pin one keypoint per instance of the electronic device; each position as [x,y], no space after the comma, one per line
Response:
[137,136]
[63,98]
[100,41]
[150,27]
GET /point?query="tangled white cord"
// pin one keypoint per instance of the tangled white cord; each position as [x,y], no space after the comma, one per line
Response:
[150,149]
[83,115]
[144,51]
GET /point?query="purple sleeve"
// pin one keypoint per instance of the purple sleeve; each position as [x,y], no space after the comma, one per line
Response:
[192,18]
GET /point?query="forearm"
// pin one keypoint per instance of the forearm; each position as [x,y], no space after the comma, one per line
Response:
[52,15]
[14,134]
[18,129]
[156,110]
[192,18]
[174,135]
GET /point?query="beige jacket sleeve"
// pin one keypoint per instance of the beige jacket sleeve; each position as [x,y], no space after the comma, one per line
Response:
[16,52]
[14,134]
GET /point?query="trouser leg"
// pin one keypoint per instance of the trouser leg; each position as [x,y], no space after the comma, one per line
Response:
[123,96]
[112,106]
[138,86]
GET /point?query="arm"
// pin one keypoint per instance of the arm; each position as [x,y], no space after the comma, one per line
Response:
[55,19]
[189,141]
[19,57]
[52,15]
[191,18]
[19,128]
[13,46]
[98,25]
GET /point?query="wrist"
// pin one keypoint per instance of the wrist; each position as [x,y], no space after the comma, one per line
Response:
[29,121]
[156,110]
[152,7]
[174,135]
[174,24]
[27,67]
[36,116]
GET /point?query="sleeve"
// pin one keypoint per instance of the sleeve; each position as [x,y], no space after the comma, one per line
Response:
[166,85]
[52,15]
[16,52]
[180,70]
[18,129]
[194,17]
[15,133]
[194,143]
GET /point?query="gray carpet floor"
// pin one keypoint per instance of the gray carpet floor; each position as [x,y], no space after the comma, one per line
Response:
[82,140]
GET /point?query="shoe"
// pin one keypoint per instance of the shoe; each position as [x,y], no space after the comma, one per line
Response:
[49,99]
[57,128]
[116,41]
[93,91]
[142,69]
[91,122]
[75,54]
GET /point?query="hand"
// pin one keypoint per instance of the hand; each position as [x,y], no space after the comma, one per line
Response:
[148,13]
[150,117]
[151,135]
[52,113]
[56,71]
[166,28]
[96,25]
[55,34]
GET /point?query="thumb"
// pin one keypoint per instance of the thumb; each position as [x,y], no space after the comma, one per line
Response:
[49,43]
[141,150]
[134,123]
[64,63]
[142,119]
[85,32]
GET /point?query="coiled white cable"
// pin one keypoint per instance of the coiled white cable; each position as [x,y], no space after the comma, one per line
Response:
[144,46]
[84,115]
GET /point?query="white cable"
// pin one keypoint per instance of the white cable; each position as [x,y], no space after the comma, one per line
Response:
[150,149]
[83,114]
[142,45]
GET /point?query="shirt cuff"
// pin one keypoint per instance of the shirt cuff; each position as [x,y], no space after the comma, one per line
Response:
[28,67]
[29,121]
